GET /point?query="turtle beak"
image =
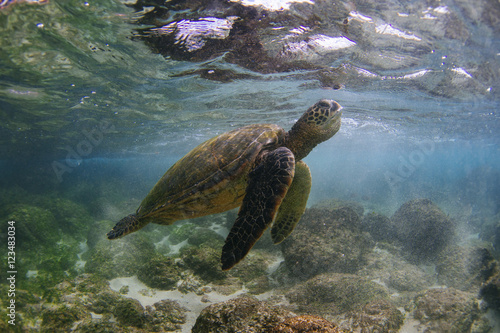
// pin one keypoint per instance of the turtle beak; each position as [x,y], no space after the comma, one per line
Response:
[336,109]
[334,122]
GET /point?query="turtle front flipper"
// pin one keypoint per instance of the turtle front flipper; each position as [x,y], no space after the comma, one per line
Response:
[267,186]
[293,205]
[126,225]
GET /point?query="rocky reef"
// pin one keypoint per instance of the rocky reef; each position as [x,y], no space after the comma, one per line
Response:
[306,323]
[335,293]
[326,240]
[446,310]
[242,314]
[423,229]
[87,304]
[341,270]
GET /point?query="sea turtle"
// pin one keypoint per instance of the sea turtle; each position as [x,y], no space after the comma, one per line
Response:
[257,167]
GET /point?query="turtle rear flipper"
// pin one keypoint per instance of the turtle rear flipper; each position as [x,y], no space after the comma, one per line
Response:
[293,205]
[267,186]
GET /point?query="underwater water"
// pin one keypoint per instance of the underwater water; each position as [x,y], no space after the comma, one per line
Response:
[98,99]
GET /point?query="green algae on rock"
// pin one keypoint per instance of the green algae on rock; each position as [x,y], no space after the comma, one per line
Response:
[160,272]
[87,304]
[423,229]
[335,293]
[326,241]
[61,318]
[335,203]
[377,316]
[242,314]
[118,259]
[306,323]
[490,291]
[386,265]
[46,254]
[35,226]
[129,312]
[166,315]
[180,233]
[204,261]
[408,278]
[446,310]
[204,235]
[465,268]
[379,226]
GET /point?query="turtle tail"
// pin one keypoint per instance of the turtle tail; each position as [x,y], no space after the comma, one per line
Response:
[126,225]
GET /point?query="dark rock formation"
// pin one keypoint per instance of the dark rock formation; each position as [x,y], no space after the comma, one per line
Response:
[326,241]
[423,229]
[379,226]
[242,314]
[160,272]
[376,316]
[465,268]
[124,257]
[446,310]
[490,291]
[306,323]
[333,294]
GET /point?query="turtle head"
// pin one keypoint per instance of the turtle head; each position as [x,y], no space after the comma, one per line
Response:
[125,226]
[319,123]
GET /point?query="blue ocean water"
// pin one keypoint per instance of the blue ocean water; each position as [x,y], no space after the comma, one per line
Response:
[95,104]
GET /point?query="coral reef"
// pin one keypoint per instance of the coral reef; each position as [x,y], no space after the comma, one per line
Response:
[423,229]
[306,323]
[179,233]
[379,226]
[376,316]
[490,291]
[334,203]
[326,241]
[242,314]
[489,232]
[403,279]
[332,268]
[129,312]
[46,218]
[35,226]
[166,315]
[123,257]
[334,294]
[46,249]
[446,310]
[465,268]
[160,272]
[354,303]
[59,318]
[87,304]
[200,236]
[204,261]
